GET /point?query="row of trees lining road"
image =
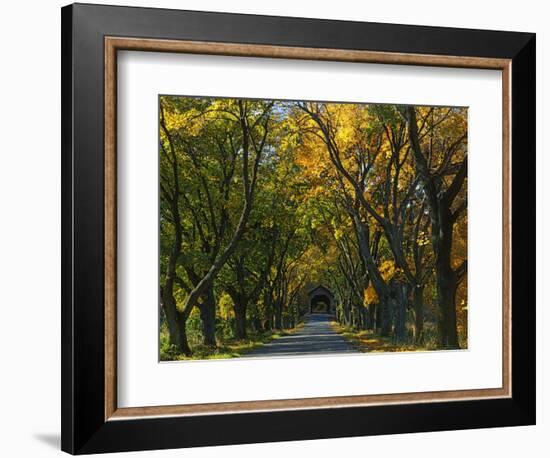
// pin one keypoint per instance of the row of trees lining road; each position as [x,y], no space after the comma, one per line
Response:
[261,200]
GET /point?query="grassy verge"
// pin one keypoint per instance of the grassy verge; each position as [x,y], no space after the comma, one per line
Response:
[370,342]
[232,348]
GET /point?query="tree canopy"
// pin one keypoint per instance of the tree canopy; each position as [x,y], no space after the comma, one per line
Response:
[261,200]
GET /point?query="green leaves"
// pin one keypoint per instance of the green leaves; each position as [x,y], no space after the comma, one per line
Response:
[326,183]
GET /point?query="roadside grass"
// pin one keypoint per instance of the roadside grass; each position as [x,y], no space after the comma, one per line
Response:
[231,348]
[370,342]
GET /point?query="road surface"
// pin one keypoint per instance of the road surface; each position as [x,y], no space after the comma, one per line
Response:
[316,337]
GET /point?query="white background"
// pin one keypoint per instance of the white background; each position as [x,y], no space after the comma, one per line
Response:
[30,229]
[142,76]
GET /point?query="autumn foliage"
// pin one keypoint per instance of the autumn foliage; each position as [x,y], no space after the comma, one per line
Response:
[262,200]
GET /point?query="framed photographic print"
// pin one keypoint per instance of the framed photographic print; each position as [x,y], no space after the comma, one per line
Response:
[281,228]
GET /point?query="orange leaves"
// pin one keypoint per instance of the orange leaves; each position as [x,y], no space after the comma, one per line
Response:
[370,296]
[388,270]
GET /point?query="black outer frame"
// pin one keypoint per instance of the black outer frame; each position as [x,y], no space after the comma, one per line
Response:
[84,429]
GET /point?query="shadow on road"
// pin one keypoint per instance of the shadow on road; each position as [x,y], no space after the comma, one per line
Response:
[316,337]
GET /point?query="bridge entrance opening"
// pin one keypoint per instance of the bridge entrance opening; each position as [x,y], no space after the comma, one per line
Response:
[320,304]
[321,300]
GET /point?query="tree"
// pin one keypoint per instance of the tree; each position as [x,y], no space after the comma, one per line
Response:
[375,162]
[247,272]
[435,161]
[261,200]
[252,122]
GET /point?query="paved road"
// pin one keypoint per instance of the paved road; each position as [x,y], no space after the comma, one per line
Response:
[315,337]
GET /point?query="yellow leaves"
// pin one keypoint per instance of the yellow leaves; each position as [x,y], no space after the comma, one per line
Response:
[386,151]
[345,136]
[173,120]
[338,233]
[422,239]
[389,270]
[189,121]
[225,306]
[315,191]
[348,122]
[309,158]
[370,296]
[368,196]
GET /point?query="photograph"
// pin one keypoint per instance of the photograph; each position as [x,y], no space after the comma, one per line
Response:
[275,229]
[310,228]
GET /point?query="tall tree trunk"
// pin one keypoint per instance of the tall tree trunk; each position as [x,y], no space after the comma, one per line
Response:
[385,317]
[175,319]
[240,320]
[176,329]
[378,283]
[442,222]
[292,319]
[446,291]
[353,317]
[364,318]
[208,318]
[378,319]
[278,314]
[257,324]
[446,280]
[268,322]
[399,312]
[371,313]
[347,313]
[357,317]
[418,306]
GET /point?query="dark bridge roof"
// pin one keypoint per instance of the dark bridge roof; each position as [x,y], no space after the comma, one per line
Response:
[320,289]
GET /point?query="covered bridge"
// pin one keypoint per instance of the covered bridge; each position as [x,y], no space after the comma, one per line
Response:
[321,300]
